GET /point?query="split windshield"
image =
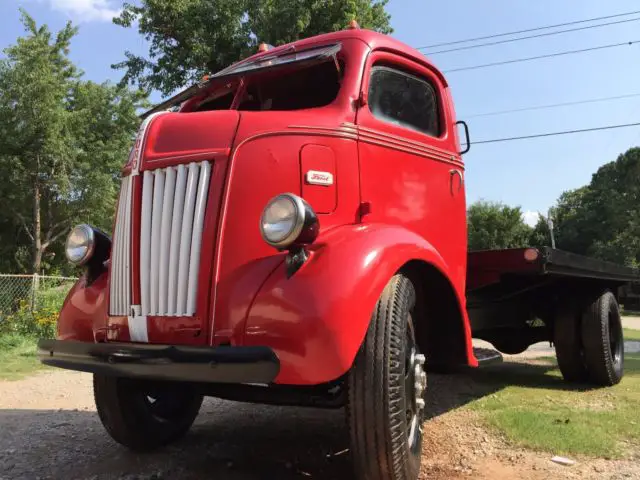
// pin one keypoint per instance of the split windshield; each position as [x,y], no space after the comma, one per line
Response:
[289,81]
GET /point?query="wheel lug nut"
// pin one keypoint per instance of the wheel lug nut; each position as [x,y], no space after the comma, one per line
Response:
[420,359]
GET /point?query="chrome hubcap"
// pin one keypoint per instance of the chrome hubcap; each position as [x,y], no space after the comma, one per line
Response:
[420,380]
[415,383]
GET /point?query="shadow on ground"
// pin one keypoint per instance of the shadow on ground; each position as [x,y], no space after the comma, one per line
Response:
[230,441]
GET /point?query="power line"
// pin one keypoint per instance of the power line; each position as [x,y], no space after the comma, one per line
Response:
[546,27]
[527,59]
[551,134]
[553,105]
[547,34]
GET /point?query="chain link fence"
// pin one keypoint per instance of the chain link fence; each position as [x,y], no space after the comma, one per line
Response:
[29,304]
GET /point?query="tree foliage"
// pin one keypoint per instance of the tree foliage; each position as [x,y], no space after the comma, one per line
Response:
[493,225]
[602,219]
[189,38]
[62,143]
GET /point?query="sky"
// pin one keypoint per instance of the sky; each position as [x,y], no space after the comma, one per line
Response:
[529,173]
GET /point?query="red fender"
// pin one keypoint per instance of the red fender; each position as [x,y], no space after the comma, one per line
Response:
[317,319]
[83,315]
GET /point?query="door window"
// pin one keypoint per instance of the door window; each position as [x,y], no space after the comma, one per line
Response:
[403,99]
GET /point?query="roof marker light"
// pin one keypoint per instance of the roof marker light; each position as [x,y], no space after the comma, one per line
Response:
[263,47]
[353,25]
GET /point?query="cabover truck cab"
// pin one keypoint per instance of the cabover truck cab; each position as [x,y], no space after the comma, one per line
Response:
[292,230]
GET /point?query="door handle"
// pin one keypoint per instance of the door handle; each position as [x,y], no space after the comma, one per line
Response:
[452,173]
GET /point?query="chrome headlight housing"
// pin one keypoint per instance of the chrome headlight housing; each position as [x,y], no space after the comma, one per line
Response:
[288,220]
[81,244]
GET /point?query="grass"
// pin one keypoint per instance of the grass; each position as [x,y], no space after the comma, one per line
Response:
[546,414]
[630,334]
[18,357]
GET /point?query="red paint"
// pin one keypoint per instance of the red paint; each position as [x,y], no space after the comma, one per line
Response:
[397,195]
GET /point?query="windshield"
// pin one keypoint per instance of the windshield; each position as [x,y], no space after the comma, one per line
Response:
[311,56]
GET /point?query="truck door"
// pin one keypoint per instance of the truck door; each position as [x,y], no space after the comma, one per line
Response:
[410,171]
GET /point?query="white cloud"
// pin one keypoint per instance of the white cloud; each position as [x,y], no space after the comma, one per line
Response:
[86,10]
[530,218]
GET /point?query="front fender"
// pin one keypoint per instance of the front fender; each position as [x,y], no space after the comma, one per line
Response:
[84,312]
[317,319]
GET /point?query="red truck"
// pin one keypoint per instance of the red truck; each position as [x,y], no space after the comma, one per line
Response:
[292,230]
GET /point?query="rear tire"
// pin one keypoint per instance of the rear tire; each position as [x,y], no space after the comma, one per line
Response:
[567,338]
[603,341]
[144,415]
[387,383]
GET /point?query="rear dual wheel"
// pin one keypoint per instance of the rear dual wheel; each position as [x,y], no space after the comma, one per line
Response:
[589,342]
[386,391]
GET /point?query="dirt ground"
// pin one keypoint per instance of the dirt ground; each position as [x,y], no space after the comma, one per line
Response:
[49,430]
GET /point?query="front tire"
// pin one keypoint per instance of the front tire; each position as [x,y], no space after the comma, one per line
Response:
[144,415]
[387,383]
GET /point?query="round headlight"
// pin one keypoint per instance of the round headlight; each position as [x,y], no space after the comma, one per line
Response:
[80,244]
[288,219]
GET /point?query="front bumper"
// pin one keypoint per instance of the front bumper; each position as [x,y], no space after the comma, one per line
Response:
[162,362]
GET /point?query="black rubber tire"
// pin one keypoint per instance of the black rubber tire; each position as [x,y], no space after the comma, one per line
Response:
[129,417]
[603,341]
[567,338]
[375,407]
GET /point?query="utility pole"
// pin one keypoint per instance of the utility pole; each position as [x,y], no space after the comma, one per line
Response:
[550,223]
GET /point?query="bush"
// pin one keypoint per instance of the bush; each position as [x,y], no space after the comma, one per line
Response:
[41,320]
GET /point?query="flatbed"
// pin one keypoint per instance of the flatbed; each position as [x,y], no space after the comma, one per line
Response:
[515,296]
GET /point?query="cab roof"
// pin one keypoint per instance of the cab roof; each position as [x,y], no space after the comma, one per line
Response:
[375,41]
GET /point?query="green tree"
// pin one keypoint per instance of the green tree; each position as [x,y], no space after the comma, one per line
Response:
[189,38]
[493,225]
[62,142]
[540,235]
[602,219]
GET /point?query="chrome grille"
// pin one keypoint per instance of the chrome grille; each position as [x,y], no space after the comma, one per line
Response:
[173,206]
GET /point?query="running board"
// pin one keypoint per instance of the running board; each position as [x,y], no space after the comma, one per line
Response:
[487,356]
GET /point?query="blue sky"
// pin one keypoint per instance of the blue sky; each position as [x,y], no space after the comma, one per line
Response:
[531,173]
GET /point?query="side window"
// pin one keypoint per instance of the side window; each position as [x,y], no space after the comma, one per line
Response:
[404,99]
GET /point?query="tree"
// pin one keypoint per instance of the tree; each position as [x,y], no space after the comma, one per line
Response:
[493,225]
[189,38]
[601,219]
[62,142]
[540,235]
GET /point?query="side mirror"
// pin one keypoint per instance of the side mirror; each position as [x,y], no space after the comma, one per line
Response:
[466,134]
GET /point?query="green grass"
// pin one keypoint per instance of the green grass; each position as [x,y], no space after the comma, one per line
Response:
[537,410]
[17,357]
[630,334]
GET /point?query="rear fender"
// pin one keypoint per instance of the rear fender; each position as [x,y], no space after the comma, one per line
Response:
[317,319]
